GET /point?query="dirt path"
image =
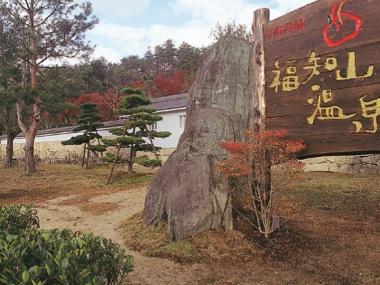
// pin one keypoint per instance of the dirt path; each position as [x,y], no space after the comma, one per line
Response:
[148,271]
[102,214]
[332,236]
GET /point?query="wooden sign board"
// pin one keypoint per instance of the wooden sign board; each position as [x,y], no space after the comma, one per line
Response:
[322,70]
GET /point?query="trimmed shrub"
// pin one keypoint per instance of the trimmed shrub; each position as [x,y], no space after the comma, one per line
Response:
[61,257]
[31,256]
[17,218]
[147,162]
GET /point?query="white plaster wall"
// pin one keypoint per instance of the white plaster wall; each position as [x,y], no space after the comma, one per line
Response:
[171,122]
[55,137]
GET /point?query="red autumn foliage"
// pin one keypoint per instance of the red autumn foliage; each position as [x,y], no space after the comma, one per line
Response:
[107,103]
[137,84]
[236,147]
[168,85]
[255,159]
[270,143]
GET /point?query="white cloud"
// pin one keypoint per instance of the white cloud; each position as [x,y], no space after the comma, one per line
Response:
[119,34]
[209,13]
[110,54]
[119,40]
[119,9]
[287,6]
[194,35]
[122,40]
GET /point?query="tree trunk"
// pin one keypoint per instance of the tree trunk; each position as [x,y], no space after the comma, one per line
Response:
[84,155]
[131,160]
[114,165]
[31,132]
[88,155]
[188,191]
[12,131]
[132,155]
[8,162]
[156,154]
[30,165]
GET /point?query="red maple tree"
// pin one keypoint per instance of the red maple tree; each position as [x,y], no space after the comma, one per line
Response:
[107,103]
[255,159]
[164,85]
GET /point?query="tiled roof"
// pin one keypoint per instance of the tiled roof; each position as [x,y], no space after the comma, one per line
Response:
[160,104]
[108,124]
[170,102]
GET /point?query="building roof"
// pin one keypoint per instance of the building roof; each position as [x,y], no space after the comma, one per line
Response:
[170,102]
[69,129]
[166,103]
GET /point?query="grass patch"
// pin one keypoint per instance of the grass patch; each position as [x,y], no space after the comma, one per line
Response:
[58,180]
[337,193]
[209,246]
[155,242]
[123,178]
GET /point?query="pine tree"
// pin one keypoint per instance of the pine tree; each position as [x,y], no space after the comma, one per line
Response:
[188,58]
[49,29]
[89,121]
[137,134]
[10,78]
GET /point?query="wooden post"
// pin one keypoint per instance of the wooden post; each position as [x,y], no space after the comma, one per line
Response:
[261,184]
[257,120]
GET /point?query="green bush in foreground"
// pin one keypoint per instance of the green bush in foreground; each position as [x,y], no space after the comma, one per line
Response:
[16,218]
[35,257]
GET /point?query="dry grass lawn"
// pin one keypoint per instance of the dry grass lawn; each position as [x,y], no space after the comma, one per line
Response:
[331,234]
[58,180]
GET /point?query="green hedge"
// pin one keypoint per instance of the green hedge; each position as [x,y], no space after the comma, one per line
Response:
[17,218]
[54,257]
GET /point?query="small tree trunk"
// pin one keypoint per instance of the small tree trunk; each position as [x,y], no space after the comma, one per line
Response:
[262,195]
[8,162]
[117,156]
[132,154]
[99,144]
[84,155]
[30,165]
[114,165]
[131,160]
[88,156]
[152,143]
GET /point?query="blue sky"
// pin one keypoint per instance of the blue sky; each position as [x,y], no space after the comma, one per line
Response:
[129,27]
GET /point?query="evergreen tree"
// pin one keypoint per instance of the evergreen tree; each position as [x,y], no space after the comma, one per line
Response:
[10,78]
[138,133]
[165,58]
[8,123]
[89,122]
[188,58]
[50,30]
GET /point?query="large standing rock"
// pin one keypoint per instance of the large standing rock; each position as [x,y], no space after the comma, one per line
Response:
[187,191]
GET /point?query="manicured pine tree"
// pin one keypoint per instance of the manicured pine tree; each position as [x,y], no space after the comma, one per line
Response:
[89,121]
[137,134]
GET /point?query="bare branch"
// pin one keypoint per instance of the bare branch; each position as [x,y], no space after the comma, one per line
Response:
[48,16]
[21,124]
[22,6]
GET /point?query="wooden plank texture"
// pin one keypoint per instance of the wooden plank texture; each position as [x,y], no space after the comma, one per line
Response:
[322,70]
[257,119]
